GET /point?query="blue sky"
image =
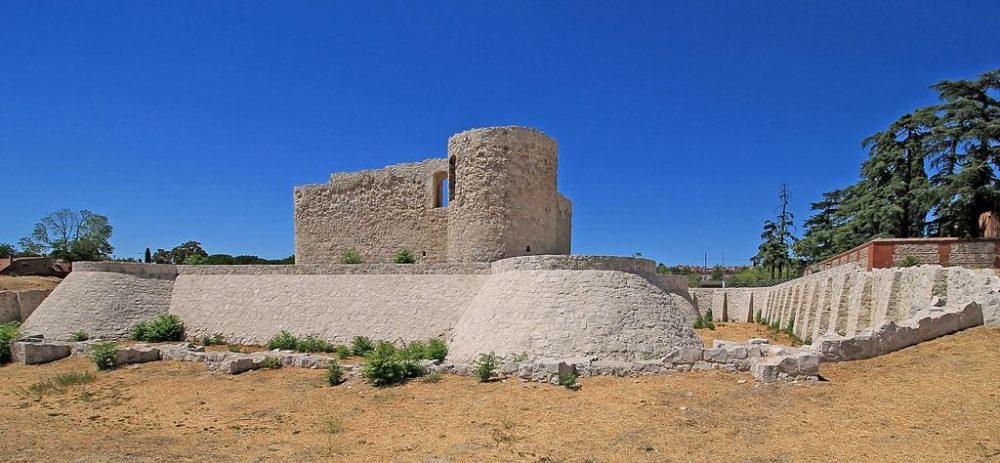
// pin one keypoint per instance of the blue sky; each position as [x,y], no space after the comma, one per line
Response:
[677,122]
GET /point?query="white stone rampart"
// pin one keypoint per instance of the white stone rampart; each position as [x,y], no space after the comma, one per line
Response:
[17,305]
[846,300]
[545,306]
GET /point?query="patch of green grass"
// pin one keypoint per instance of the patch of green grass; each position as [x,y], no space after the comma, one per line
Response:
[432,378]
[59,383]
[404,256]
[78,336]
[314,344]
[215,339]
[361,345]
[270,363]
[332,425]
[351,257]
[283,340]
[343,351]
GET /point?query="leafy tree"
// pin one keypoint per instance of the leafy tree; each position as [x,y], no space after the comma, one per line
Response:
[195,259]
[71,235]
[147,258]
[774,252]
[181,253]
[7,250]
[162,256]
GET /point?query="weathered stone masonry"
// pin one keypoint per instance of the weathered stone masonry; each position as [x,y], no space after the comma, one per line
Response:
[493,197]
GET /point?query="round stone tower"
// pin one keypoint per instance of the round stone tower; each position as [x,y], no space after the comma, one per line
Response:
[505,201]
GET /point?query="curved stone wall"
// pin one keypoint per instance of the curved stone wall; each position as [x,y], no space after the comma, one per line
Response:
[506,203]
[609,315]
[546,306]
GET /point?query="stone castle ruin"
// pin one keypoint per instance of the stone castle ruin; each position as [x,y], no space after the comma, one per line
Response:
[491,235]
[493,197]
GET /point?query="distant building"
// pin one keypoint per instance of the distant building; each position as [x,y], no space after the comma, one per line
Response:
[34,266]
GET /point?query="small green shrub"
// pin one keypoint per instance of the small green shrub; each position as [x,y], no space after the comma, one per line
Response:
[105,355]
[699,323]
[334,373]
[708,316]
[78,336]
[414,350]
[757,318]
[343,351]
[432,378]
[284,341]
[436,349]
[790,327]
[910,261]
[314,344]
[485,366]
[404,256]
[215,339]
[270,363]
[568,380]
[138,332]
[167,327]
[351,257]
[386,365]
[8,331]
[709,324]
[361,346]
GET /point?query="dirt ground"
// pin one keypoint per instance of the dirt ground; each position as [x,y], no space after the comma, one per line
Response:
[741,332]
[934,402]
[9,283]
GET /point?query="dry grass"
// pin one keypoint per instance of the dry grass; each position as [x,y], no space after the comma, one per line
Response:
[9,283]
[935,402]
[741,332]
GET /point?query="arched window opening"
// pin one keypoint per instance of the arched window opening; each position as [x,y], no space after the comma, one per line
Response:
[440,186]
[452,185]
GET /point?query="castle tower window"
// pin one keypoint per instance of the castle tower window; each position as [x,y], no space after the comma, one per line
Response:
[452,185]
[440,186]
[527,249]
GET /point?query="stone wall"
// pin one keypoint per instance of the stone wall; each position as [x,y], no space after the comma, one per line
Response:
[892,252]
[846,300]
[17,305]
[544,306]
[373,212]
[504,202]
[729,304]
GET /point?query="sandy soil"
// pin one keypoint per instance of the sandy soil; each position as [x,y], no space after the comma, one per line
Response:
[741,332]
[9,283]
[934,402]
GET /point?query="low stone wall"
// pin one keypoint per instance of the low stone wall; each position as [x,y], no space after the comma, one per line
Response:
[18,305]
[542,306]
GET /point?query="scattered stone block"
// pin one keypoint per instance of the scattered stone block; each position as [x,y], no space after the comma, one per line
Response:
[137,354]
[715,355]
[36,351]
[684,355]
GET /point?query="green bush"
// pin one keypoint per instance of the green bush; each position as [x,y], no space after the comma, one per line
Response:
[708,316]
[104,354]
[568,380]
[790,327]
[138,332]
[215,339]
[436,349]
[314,344]
[78,336]
[757,317]
[167,327]
[386,365]
[334,373]
[699,323]
[351,257]
[404,256]
[8,331]
[485,366]
[709,324]
[415,350]
[270,363]
[361,345]
[343,351]
[910,261]
[284,341]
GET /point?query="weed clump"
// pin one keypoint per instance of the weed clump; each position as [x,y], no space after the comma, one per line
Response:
[351,257]
[8,331]
[386,365]
[361,346]
[215,339]
[485,366]
[59,383]
[404,256]
[334,373]
[314,344]
[283,340]
[78,336]
[270,363]
[343,351]
[167,327]
[105,355]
